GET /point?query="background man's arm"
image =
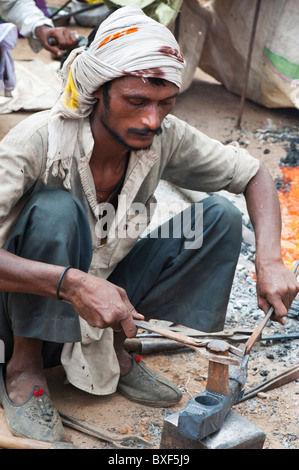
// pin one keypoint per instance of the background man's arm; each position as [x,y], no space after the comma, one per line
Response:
[32,23]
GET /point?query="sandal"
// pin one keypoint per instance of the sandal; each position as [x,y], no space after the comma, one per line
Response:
[36,419]
[146,387]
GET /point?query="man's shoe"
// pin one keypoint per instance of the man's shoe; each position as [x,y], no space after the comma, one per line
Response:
[36,419]
[146,387]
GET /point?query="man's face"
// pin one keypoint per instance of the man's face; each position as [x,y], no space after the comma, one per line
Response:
[133,111]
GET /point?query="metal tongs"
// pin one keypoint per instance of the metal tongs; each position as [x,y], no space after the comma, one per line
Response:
[118,442]
[200,345]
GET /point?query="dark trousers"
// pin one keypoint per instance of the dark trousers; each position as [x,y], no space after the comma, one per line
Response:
[163,276]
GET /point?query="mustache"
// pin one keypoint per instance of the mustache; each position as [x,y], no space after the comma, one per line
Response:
[145,132]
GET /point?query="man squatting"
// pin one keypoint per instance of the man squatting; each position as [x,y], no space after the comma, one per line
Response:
[71,298]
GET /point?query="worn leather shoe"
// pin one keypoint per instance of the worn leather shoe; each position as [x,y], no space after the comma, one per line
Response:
[37,418]
[146,387]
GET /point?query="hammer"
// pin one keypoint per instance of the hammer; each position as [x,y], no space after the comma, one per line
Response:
[12,442]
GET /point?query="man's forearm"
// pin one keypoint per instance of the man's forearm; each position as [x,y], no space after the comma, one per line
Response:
[276,284]
[264,212]
[99,302]
[22,275]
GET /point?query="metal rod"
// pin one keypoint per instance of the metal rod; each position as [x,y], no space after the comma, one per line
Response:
[59,9]
[74,13]
[274,382]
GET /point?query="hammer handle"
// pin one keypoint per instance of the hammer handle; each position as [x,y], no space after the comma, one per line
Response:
[257,332]
[12,442]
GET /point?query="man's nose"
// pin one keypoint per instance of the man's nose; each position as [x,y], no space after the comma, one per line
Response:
[151,118]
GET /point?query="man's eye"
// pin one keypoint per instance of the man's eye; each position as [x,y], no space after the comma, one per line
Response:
[137,102]
[167,102]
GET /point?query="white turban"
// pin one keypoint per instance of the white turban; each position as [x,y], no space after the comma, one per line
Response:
[127,43]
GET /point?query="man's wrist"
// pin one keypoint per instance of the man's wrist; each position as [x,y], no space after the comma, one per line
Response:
[267,260]
[42,24]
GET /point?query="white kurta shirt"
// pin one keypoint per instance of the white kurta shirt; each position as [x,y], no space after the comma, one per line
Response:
[26,16]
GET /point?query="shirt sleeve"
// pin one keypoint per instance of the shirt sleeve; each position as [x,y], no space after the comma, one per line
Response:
[197,162]
[24,14]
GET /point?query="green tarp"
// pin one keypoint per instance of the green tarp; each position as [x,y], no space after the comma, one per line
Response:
[163,12]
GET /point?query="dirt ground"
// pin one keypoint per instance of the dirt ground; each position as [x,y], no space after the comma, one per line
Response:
[212,109]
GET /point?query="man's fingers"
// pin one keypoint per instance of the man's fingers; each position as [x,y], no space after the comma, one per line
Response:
[280,310]
[133,312]
[137,316]
[130,307]
[128,324]
[129,327]
[278,318]
[54,50]
[63,38]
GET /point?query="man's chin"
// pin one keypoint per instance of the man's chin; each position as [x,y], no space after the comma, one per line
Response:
[134,148]
[144,144]
[131,147]
[137,147]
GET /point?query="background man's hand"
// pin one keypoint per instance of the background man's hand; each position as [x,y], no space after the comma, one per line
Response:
[62,39]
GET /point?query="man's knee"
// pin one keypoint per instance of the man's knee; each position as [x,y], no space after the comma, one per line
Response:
[55,203]
[224,212]
[53,212]
[53,228]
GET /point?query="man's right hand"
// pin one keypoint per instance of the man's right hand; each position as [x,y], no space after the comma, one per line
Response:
[63,39]
[101,303]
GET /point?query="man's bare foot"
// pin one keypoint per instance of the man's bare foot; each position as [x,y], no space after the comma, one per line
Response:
[124,358]
[24,370]
[19,383]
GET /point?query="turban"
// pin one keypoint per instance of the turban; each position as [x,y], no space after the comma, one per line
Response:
[127,43]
